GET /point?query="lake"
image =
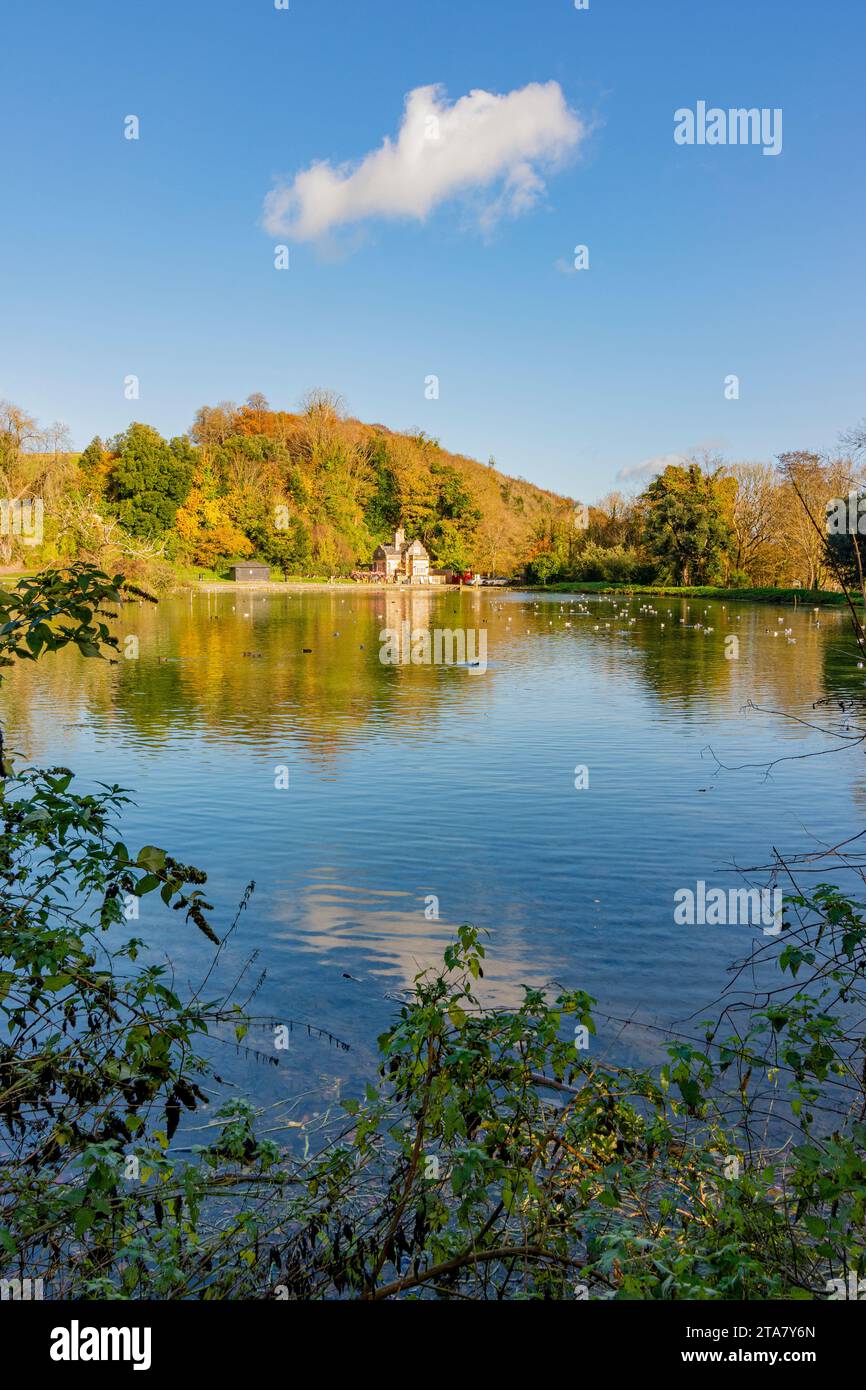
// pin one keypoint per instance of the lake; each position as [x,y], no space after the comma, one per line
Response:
[417,786]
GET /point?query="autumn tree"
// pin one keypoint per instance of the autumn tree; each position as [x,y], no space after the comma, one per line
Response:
[18,432]
[549,549]
[614,520]
[854,441]
[206,530]
[809,483]
[757,521]
[250,462]
[322,401]
[489,544]
[26,470]
[213,425]
[55,439]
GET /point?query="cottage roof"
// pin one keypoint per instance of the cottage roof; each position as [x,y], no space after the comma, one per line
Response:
[390,551]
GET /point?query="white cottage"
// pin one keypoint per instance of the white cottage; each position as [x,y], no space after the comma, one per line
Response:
[404,560]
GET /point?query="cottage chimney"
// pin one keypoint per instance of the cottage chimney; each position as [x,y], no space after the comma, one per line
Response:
[399,538]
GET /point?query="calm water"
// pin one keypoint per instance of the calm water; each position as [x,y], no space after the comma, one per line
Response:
[412,781]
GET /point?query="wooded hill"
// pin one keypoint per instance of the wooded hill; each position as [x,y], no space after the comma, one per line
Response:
[311,492]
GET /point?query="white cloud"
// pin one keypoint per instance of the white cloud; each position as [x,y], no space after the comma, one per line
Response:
[650,467]
[500,144]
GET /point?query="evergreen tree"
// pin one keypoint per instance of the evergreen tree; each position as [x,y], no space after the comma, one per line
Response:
[91,459]
[150,479]
[684,525]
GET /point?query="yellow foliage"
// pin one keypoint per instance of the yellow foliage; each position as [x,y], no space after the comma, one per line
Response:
[207,532]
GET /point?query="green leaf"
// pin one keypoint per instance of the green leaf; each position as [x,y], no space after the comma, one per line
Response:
[55,982]
[146,885]
[151,858]
[84,1219]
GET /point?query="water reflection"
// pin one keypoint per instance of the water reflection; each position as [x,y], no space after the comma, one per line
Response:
[415,780]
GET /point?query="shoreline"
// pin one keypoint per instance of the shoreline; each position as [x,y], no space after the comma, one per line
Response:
[310,586]
[823,598]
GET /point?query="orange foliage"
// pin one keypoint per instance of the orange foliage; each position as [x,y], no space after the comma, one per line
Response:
[276,424]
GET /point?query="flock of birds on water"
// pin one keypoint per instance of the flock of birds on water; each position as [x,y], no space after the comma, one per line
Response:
[649,610]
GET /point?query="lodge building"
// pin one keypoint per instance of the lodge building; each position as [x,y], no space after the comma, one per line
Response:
[406,561]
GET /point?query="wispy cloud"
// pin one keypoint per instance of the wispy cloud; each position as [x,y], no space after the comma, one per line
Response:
[500,145]
[650,467]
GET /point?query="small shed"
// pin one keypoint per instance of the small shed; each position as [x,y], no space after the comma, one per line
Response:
[250,574]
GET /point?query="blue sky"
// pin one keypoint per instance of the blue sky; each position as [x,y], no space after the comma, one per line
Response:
[150,257]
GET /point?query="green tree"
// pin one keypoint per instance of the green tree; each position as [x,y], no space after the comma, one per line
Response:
[684,524]
[449,529]
[382,512]
[286,547]
[455,501]
[150,479]
[449,547]
[92,457]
